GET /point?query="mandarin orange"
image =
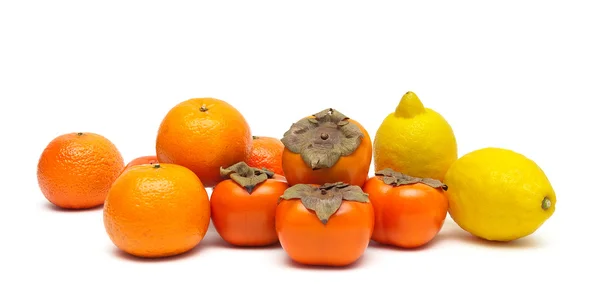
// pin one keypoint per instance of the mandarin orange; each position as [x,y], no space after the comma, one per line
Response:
[157,210]
[204,134]
[266,153]
[142,160]
[76,170]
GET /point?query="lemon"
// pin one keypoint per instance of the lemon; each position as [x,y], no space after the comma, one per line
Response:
[415,140]
[498,194]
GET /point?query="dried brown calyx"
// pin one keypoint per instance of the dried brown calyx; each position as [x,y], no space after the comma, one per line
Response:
[321,140]
[395,178]
[326,199]
[246,176]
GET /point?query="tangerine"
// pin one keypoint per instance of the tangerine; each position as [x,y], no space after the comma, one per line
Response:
[76,170]
[266,153]
[204,134]
[157,211]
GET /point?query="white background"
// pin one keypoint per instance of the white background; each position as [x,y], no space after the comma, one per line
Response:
[522,75]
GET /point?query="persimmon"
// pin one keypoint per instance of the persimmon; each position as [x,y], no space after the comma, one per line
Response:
[409,211]
[243,205]
[327,147]
[327,225]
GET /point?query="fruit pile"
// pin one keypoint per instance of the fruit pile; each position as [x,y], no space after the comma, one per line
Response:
[310,190]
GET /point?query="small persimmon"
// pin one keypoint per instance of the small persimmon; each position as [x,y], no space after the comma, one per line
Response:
[327,147]
[327,225]
[409,211]
[243,205]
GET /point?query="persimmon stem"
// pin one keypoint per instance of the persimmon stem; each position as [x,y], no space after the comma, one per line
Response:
[156,166]
[79,134]
[323,139]
[203,108]
[394,178]
[326,199]
[246,176]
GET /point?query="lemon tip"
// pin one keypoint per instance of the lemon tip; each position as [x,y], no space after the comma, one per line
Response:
[409,106]
[546,204]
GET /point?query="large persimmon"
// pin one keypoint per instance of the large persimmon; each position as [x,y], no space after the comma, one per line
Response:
[327,147]
[204,134]
[327,225]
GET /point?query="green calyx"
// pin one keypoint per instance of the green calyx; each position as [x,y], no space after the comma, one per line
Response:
[246,176]
[321,140]
[326,199]
[394,178]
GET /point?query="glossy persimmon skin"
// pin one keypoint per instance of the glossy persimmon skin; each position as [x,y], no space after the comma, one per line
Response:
[352,169]
[340,242]
[406,216]
[244,219]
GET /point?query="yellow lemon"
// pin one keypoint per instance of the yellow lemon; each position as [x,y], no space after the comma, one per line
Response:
[415,140]
[498,194]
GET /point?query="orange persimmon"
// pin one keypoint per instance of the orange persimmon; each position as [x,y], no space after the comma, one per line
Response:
[409,211]
[327,147]
[243,205]
[327,225]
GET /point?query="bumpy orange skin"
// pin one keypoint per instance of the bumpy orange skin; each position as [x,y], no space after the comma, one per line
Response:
[157,212]
[244,219]
[203,141]
[407,216]
[266,153]
[142,160]
[352,169]
[76,171]
[341,242]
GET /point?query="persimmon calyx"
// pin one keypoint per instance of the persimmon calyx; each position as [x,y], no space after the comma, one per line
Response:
[246,176]
[321,140]
[326,199]
[394,178]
